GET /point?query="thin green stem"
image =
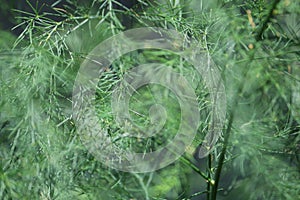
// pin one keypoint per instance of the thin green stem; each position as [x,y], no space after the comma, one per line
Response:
[142,184]
[221,161]
[266,21]
[222,157]
[209,176]
[189,163]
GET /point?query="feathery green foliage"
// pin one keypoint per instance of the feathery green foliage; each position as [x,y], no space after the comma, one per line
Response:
[255,45]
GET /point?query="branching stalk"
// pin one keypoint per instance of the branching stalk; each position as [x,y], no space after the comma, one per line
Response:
[266,21]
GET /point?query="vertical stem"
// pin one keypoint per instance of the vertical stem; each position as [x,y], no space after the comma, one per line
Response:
[266,21]
[221,159]
[214,189]
[209,177]
[144,187]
